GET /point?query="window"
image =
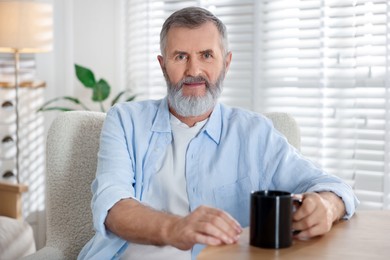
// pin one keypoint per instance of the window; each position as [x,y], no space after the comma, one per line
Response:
[325,62]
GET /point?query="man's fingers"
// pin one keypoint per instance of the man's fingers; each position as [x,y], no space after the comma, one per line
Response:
[307,207]
[207,240]
[311,232]
[305,223]
[225,222]
[205,225]
[314,217]
[219,224]
[209,229]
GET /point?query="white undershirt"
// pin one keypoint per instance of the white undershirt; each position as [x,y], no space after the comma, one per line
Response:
[167,191]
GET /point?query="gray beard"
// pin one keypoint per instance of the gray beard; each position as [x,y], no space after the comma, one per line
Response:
[188,106]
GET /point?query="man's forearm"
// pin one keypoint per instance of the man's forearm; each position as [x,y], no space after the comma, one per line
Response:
[138,223]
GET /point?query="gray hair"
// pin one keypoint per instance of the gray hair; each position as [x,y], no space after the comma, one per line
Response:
[192,17]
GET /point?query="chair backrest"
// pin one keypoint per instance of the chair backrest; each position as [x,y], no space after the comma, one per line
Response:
[72,147]
[287,125]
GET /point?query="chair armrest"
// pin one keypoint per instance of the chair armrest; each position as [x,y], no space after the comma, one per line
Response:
[46,253]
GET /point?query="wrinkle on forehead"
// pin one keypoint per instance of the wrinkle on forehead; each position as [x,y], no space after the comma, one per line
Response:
[194,40]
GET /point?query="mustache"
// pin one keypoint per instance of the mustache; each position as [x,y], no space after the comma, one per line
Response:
[191,80]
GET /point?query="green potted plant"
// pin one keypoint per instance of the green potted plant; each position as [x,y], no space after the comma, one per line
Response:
[100,92]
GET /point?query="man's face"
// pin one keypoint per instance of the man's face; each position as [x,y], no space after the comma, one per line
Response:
[194,67]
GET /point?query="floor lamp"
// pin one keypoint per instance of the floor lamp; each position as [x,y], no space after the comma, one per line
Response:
[25,27]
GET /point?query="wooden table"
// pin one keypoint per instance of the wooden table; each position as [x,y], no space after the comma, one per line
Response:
[365,236]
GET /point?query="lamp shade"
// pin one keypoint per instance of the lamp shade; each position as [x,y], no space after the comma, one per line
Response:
[25,26]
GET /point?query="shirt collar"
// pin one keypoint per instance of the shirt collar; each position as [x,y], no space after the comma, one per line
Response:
[161,122]
[213,126]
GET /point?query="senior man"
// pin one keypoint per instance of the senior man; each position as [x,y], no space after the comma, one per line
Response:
[176,174]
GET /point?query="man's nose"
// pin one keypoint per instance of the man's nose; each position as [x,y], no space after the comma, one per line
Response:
[193,68]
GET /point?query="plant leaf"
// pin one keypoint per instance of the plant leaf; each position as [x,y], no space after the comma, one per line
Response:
[115,100]
[119,95]
[72,99]
[85,76]
[131,98]
[68,98]
[101,91]
[56,108]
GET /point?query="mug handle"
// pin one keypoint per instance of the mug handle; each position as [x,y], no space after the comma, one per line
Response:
[296,203]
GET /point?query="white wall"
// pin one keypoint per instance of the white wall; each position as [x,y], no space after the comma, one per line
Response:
[86,32]
[95,40]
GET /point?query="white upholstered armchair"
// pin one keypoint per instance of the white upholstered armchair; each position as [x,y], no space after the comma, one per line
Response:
[72,147]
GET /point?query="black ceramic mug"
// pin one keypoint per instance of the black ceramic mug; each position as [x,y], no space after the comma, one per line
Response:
[271,218]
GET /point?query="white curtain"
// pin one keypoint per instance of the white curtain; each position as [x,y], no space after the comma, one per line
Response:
[326,62]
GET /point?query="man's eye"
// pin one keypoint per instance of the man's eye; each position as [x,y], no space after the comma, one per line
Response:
[181,57]
[207,55]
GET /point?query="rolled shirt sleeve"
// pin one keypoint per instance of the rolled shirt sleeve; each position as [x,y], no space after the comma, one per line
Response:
[115,175]
[297,174]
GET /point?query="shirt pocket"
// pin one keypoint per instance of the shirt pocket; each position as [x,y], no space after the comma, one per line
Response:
[234,198]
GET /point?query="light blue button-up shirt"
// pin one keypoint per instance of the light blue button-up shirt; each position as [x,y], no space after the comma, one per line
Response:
[236,152]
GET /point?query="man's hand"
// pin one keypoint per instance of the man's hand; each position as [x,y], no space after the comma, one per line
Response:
[317,213]
[138,223]
[205,225]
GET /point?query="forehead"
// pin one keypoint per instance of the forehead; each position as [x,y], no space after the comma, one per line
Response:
[201,38]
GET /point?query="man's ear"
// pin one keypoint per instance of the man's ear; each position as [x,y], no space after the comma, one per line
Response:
[228,59]
[161,61]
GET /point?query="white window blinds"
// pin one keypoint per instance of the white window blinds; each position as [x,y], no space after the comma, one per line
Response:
[324,61]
